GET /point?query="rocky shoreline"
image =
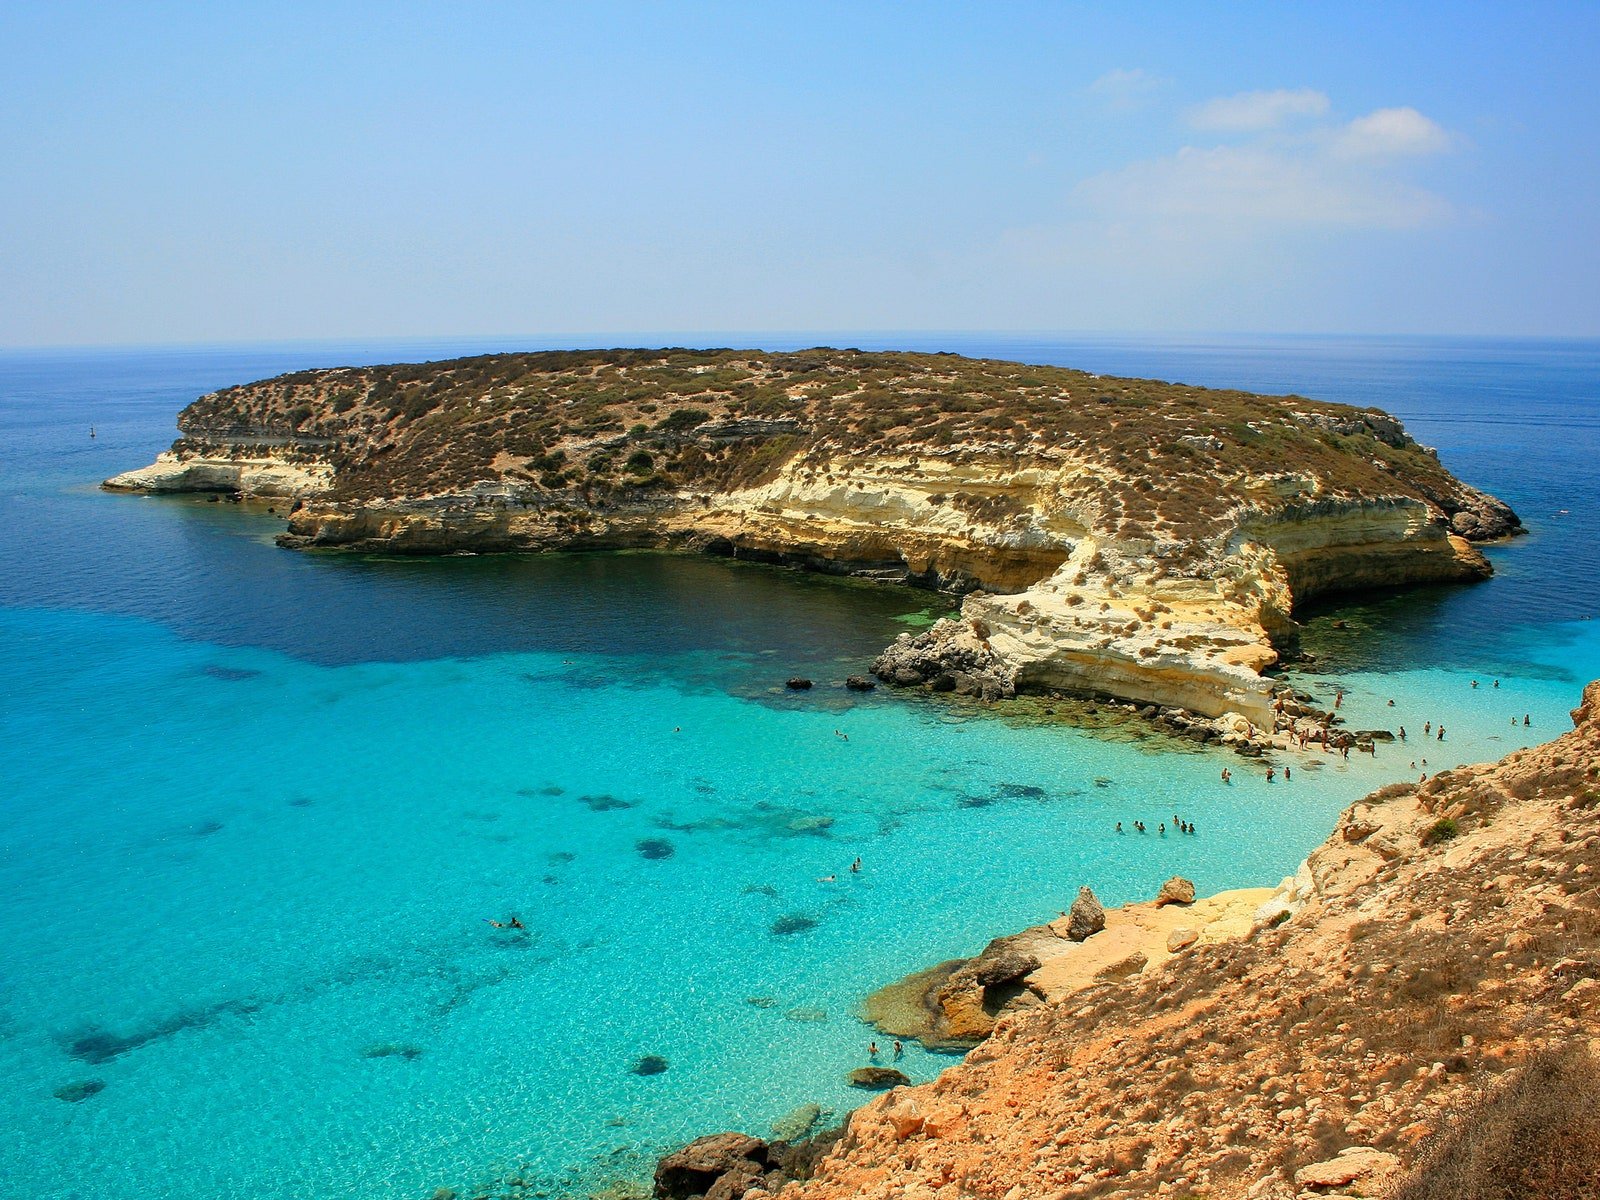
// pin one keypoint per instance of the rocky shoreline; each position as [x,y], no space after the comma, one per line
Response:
[1114,537]
[1417,1004]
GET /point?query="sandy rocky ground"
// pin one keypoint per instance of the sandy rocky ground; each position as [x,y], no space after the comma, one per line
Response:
[1343,1040]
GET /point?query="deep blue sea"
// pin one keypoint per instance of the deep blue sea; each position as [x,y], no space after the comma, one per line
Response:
[258,807]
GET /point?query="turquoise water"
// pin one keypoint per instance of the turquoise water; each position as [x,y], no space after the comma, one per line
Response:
[258,805]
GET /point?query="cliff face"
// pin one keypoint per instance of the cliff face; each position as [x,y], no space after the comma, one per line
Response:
[1145,540]
[1413,1015]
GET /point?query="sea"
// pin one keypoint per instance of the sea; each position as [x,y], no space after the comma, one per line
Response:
[266,816]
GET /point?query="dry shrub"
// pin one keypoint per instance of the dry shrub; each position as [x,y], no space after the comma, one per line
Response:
[1537,1134]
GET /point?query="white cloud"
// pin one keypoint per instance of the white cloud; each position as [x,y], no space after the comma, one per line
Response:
[1252,112]
[1126,88]
[1236,190]
[1391,133]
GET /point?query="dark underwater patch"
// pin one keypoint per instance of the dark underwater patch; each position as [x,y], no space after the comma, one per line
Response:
[650,1064]
[793,923]
[77,1093]
[656,848]
[606,802]
[393,1050]
[230,674]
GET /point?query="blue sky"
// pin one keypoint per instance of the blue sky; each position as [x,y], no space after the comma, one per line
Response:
[180,173]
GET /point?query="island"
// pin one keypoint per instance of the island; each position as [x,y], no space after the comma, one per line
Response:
[1114,537]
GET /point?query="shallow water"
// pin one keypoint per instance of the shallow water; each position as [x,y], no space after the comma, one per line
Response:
[259,806]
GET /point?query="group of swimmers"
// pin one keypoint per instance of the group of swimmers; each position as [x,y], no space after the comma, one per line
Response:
[899,1051]
[855,869]
[513,923]
[1180,825]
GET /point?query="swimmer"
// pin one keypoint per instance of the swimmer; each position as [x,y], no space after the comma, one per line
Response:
[1119,826]
[1441,733]
[899,1050]
[496,924]
[1497,683]
[1270,774]
[827,879]
[677,729]
[1402,733]
[855,867]
[1227,775]
[1338,698]
[1525,720]
[872,1050]
[1163,829]
[1474,683]
[515,923]
[1286,775]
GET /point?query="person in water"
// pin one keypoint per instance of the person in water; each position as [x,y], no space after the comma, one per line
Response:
[1525,720]
[1163,829]
[1119,826]
[1287,775]
[1402,733]
[872,1051]
[899,1050]
[855,867]
[1441,733]
[515,923]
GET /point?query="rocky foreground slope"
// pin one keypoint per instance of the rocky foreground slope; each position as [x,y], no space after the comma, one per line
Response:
[1115,536]
[1418,1017]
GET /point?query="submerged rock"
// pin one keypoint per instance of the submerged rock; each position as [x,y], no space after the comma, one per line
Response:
[76,1093]
[656,848]
[606,803]
[793,923]
[1087,917]
[794,1125]
[392,1050]
[798,683]
[859,683]
[877,1078]
[650,1064]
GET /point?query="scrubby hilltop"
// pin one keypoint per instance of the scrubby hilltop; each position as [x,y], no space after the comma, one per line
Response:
[1139,538]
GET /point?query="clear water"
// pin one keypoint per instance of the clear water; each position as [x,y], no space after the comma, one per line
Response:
[258,805]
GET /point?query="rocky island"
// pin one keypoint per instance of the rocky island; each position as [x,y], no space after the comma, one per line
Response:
[1147,541]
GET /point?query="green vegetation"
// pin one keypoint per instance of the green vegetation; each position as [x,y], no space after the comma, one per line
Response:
[1167,462]
[1441,830]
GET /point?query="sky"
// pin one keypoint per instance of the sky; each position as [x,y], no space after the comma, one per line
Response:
[265,172]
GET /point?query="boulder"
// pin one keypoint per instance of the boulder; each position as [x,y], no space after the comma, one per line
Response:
[1124,967]
[1176,890]
[798,683]
[1181,939]
[1002,965]
[877,1078]
[696,1168]
[1086,918]
[859,683]
[1356,1171]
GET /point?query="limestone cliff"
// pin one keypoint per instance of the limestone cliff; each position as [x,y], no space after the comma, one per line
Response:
[1116,536]
[1413,1015]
